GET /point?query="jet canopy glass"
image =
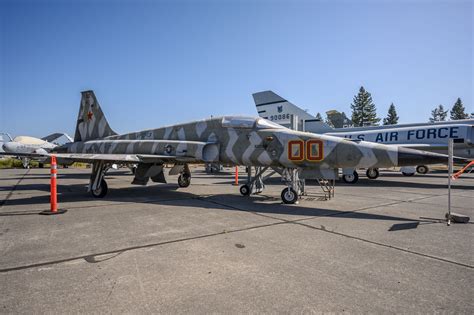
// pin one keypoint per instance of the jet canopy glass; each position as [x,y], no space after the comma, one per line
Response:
[248,123]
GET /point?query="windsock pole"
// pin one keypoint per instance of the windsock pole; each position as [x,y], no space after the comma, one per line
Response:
[54,192]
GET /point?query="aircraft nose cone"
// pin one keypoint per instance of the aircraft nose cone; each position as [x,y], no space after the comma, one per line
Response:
[7,147]
[411,157]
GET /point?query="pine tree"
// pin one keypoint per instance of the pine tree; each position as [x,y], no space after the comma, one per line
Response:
[319,117]
[392,117]
[328,121]
[458,111]
[438,114]
[363,109]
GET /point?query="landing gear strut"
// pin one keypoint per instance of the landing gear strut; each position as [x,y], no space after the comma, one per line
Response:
[25,162]
[97,184]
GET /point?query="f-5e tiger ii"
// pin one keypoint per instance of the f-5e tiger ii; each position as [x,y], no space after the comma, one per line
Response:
[235,140]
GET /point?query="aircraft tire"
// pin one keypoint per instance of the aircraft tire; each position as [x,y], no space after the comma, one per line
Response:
[422,169]
[184,181]
[289,195]
[351,179]
[102,191]
[245,190]
[372,173]
[408,174]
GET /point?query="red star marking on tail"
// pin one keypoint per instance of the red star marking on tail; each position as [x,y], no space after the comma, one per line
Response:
[89,115]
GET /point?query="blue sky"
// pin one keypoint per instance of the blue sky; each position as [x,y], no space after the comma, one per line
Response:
[153,63]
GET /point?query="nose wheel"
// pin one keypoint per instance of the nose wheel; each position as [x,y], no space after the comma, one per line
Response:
[289,195]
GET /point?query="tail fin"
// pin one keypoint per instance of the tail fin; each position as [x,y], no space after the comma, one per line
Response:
[274,107]
[91,122]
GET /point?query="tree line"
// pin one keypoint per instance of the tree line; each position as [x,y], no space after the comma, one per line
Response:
[364,111]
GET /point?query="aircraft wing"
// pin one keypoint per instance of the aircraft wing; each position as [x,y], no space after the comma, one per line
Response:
[421,146]
[123,158]
[57,135]
[116,158]
[29,155]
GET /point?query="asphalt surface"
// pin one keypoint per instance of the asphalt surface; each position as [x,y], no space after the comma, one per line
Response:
[379,246]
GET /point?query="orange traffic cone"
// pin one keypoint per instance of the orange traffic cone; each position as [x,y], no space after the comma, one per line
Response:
[54,196]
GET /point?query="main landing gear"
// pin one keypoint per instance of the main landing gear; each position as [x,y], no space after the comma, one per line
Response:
[97,184]
[143,172]
[25,162]
[184,179]
[289,195]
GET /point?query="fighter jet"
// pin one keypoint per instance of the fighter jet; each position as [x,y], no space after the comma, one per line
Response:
[431,137]
[234,140]
[27,148]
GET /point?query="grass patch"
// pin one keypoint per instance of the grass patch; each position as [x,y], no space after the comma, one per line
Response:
[14,163]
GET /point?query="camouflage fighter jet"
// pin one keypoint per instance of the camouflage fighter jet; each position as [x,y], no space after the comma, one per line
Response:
[235,140]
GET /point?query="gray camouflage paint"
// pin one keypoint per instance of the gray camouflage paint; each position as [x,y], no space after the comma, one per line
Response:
[210,141]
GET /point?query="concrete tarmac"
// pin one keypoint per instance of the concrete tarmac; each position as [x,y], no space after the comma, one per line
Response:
[379,246]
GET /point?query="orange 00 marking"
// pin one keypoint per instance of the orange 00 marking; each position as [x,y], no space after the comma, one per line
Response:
[309,152]
[299,157]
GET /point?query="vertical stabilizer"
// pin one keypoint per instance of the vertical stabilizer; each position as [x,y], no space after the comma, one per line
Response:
[91,122]
[273,107]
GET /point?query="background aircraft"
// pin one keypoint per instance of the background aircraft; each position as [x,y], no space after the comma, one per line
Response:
[27,148]
[4,137]
[249,141]
[431,137]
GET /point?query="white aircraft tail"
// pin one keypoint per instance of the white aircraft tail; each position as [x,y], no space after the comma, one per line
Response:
[273,107]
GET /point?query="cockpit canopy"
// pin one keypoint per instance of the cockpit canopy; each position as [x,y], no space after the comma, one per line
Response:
[243,122]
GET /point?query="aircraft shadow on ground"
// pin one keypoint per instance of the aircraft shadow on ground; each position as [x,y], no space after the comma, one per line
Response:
[363,182]
[405,184]
[66,176]
[169,194]
[430,175]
